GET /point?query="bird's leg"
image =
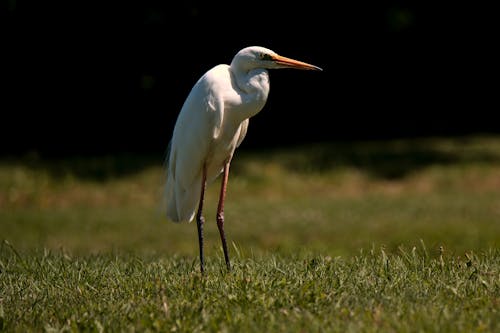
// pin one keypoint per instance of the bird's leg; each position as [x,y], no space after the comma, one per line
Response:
[220,214]
[200,220]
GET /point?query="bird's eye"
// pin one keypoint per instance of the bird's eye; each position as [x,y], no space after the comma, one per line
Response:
[265,56]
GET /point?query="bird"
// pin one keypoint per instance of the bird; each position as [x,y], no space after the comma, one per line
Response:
[211,124]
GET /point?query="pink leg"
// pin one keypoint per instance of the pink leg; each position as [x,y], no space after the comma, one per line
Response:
[220,214]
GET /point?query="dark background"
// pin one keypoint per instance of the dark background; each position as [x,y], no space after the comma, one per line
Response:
[102,78]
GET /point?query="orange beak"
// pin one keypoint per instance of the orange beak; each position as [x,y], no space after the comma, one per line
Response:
[292,63]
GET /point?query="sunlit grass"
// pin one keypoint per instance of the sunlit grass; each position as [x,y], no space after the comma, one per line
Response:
[372,291]
[333,198]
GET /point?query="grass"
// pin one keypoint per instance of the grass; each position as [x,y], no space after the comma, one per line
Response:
[348,237]
[372,291]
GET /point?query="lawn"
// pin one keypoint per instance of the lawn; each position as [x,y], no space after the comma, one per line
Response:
[396,235]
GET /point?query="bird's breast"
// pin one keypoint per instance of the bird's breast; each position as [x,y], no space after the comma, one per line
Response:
[221,150]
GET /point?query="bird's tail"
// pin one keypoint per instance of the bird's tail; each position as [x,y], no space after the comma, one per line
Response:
[180,205]
[171,205]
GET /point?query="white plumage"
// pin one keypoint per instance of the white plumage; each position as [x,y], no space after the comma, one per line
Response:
[212,123]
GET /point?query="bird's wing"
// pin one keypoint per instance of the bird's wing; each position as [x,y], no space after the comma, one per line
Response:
[197,125]
[243,131]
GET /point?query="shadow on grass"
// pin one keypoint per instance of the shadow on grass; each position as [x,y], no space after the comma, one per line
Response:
[386,159]
[392,159]
[96,168]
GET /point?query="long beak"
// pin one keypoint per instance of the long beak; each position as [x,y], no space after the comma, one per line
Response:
[292,63]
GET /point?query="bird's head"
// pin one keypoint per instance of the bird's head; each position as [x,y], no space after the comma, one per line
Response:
[259,57]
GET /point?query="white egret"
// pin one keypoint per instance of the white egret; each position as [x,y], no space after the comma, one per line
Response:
[211,124]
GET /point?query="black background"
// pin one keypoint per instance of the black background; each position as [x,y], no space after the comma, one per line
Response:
[111,77]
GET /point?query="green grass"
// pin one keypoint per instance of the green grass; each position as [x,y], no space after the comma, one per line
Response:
[371,291]
[385,236]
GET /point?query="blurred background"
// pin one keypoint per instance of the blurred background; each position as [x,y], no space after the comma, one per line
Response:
[112,76]
[396,141]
